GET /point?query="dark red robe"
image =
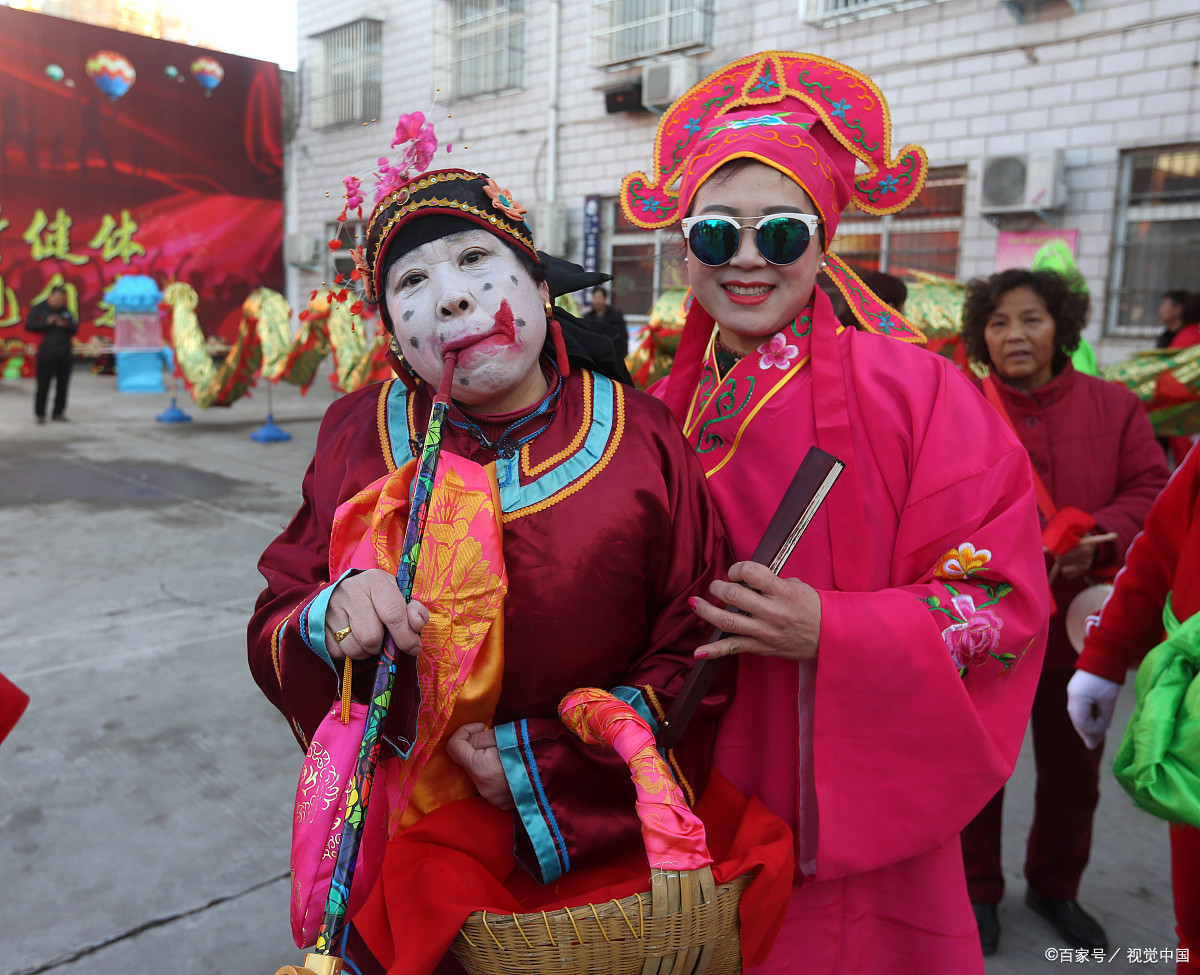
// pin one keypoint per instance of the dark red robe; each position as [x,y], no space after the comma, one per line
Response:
[608,530]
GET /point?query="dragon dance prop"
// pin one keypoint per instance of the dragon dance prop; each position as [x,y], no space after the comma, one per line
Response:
[322,960]
[1167,381]
[208,384]
[359,344]
[265,347]
[654,349]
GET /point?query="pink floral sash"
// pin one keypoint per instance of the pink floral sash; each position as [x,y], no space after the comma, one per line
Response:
[462,581]
[673,834]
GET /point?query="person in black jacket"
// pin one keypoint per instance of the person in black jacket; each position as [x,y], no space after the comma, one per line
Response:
[606,320]
[52,319]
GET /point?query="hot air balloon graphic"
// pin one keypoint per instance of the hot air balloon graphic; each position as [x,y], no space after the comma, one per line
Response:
[208,73]
[111,72]
[54,72]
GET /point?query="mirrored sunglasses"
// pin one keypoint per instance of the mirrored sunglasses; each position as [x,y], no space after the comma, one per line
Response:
[781,237]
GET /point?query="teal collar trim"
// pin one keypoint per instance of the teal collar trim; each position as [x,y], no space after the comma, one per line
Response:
[397,424]
[516,496]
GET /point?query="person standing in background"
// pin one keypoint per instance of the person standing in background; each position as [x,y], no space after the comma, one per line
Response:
[608,321]
[1179,312]
[52,319]
[1098,471]
[1171,312]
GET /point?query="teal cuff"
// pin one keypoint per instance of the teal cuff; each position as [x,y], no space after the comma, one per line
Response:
[520,769]
[312,626]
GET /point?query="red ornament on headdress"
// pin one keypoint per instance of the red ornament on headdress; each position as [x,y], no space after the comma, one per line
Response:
[813,119]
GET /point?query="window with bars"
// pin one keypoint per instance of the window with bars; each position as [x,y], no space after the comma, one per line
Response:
[482,46]
[1156,236]
[624,31]
[347,74]
[923,237]
[830,13]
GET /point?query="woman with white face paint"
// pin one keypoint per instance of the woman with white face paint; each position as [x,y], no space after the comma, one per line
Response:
[605,528]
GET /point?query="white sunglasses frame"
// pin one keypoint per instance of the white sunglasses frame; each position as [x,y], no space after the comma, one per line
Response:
[810,220]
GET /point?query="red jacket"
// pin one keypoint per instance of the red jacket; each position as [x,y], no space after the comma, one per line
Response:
[1165,558]
[1091,444]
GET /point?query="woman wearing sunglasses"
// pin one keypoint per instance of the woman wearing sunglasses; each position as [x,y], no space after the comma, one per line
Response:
[886,674]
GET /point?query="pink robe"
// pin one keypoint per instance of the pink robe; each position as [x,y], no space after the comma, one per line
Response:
[911,717]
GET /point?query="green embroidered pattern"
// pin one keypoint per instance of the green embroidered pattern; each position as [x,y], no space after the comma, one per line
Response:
[890,182]
[727,408]
[650,204]
[838,110]
[802,325]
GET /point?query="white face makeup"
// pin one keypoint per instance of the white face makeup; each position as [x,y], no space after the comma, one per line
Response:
[749,297]
[469,291]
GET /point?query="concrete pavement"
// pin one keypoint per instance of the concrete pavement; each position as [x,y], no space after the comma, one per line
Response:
[146,794]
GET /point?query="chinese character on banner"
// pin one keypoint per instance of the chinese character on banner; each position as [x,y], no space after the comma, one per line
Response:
[1134,955]
[1183,954]
[106,315]
[51,239]
[10,308]
[116,240]
[1150,955]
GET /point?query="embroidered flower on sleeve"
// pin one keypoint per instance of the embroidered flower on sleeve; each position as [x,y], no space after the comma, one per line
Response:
[503,201]
[973,637]
[961,562]
[776,352]
[973,640]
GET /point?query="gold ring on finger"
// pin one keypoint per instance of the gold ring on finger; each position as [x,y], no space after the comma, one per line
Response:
[340,635]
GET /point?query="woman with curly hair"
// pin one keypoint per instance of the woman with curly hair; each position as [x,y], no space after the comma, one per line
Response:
[1098,469]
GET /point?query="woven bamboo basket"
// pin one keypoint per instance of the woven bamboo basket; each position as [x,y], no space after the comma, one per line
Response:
[685,924]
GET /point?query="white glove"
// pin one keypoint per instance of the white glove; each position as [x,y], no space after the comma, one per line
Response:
[1090,702]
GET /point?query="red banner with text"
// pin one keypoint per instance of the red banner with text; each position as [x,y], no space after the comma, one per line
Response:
[122,154]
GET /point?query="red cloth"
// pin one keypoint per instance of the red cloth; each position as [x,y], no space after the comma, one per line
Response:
[1188,335]
[13,702]
[1090,442]
[458,860]
[1065,529]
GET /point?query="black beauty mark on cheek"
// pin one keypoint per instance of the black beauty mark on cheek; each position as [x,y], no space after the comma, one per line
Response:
[414,343]
[464,382]
[407,315]
[513,279]
[487,285]
[519,322]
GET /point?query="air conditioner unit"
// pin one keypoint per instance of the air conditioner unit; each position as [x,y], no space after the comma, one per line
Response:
[1022,183]
[302,250]
[665,81]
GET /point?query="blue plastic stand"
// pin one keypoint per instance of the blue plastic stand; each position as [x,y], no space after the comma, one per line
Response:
[173,414]
[270,433]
